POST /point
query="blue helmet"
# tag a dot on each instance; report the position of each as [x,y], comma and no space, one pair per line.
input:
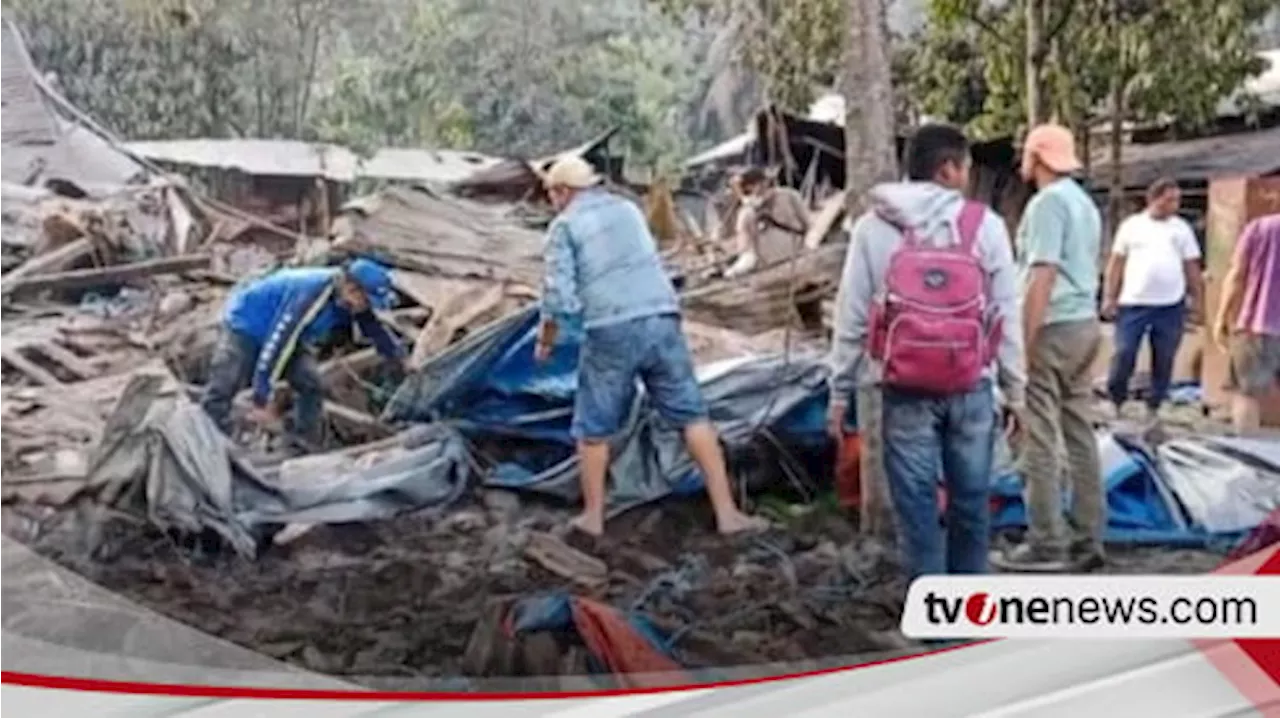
[375,280]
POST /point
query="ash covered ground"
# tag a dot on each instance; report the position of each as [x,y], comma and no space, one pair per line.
[422,596]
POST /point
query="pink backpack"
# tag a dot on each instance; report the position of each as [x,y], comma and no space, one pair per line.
[931,327]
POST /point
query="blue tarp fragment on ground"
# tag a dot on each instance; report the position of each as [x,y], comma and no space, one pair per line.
[490,386]
[625,644]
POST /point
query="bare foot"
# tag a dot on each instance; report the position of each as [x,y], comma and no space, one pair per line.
[589,525]
[740,523]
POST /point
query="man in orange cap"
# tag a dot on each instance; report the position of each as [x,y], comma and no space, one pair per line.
[1058,243]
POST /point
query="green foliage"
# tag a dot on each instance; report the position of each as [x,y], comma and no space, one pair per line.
[521,77]
[793,46]
[1174,59]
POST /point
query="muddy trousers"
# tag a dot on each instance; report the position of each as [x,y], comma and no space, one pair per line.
[231,370]
[1059,411]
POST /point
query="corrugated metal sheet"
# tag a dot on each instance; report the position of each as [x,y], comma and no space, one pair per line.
[411,165]
[287,158]
[1246,154]
[26,118]
[292,158]
[39,144]
[444,236]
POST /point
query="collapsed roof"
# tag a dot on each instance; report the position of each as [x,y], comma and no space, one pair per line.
[39,144]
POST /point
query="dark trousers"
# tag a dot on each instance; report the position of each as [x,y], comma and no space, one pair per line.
[1164,325]
[231,370]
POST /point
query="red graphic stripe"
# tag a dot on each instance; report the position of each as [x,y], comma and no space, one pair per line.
[35,680]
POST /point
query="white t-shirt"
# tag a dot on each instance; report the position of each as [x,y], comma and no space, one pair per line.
[1154,251]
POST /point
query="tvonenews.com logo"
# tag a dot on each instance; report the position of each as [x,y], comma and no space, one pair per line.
[1092,607]
[984,609]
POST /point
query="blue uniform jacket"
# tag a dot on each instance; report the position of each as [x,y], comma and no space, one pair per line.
[296,307]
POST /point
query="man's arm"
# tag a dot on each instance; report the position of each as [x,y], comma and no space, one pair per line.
[388,346]
[297,310]
[1011,359]
[559,285]
[1232,288]
[1113,279]
[1190,250]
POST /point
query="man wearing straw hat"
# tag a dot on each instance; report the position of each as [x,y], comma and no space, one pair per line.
[602,266]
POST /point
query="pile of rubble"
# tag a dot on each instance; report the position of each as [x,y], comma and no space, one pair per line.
[322,601]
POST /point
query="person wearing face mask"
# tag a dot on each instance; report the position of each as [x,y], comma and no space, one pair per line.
[270,330]
[770,225]
[1152,281]
[603,270]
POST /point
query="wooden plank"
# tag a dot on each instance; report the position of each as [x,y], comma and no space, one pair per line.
[566,561]
[28,367]
[67,360]
[85,278]
[47,262]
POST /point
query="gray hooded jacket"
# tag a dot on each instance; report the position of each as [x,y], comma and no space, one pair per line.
[931,210]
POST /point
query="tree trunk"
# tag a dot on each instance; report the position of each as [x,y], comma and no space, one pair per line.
[870,158]
[1115,193]
[1033,67]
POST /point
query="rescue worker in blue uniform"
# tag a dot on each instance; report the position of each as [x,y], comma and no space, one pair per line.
[271,328]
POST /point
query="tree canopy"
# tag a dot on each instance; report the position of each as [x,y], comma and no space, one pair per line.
[501,76]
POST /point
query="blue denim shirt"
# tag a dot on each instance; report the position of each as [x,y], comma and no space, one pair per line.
[602,264]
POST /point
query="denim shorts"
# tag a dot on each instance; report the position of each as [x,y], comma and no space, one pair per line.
[650,349]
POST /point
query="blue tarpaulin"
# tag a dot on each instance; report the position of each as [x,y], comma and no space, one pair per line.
[626,645]
[490,386]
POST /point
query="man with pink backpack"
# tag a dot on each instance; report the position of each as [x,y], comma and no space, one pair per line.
[928,312]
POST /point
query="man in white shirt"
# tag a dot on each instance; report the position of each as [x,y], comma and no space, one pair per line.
[1154,270]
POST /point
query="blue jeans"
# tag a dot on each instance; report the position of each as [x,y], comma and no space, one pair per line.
[652,349]
[1164,324]
[231,370]
[953,436]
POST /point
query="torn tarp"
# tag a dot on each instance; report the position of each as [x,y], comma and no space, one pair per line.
[161,455]
[627,646]
[491,387]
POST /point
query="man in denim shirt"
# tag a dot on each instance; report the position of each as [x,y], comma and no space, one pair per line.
[602,264]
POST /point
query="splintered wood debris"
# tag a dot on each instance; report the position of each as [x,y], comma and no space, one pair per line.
[97,290]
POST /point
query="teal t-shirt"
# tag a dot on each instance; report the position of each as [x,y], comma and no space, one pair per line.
[1062,226]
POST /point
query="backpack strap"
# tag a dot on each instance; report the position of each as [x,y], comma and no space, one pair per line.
[969,222]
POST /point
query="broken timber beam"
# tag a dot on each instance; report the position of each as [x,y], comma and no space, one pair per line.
[30,368]
[566,561]
[85,278]
[67,360]
[49,261]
